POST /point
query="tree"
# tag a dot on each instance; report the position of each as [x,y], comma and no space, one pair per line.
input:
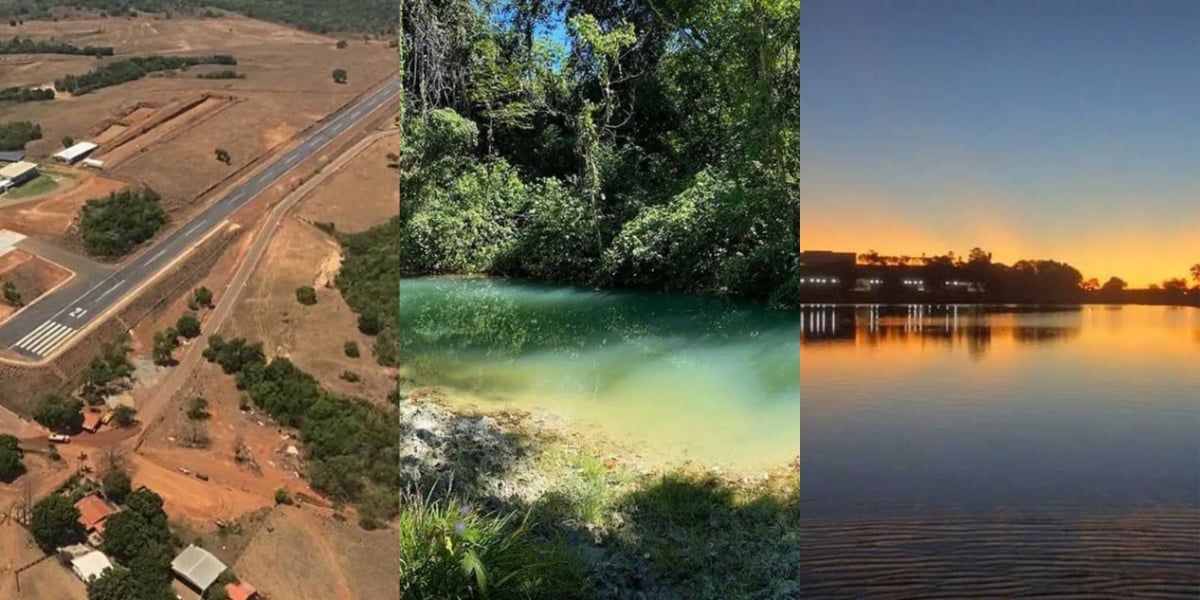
[11,466]
[368,324]
[1090,285]
[11,295]
[117,486]
[1196,273]
[202,297]
[1175,285]
[351,349]
[124,415]
[188,326]
[165,344]
[107,372]
[306,295]
[114,584]
[55,523]
[198,409]
[223,155]
[68,141]
[1114,284]
[125,533]
[282,496]
[341,44]
[339,76]
[60,414]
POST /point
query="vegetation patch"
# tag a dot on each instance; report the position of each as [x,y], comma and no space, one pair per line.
[11,455]
[15,134]
[661,153]
[132,69]
[25,94]
[111,227]
[369,280]
[350,443]
[225,74]
[42,184]
[18,45]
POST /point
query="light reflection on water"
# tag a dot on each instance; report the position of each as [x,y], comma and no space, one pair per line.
[910,409]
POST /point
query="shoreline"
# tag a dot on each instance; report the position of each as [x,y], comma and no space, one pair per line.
[553,428]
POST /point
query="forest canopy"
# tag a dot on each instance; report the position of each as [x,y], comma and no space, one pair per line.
[113,226]
[632,145]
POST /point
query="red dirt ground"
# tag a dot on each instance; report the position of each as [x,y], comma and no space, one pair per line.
[53,216]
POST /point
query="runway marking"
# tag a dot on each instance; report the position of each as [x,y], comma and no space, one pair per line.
[158,254]
[110,290]
[78,313]
[45,338]
[195,227]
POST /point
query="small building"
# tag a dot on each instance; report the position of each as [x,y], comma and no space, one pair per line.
[94,163]
[93,511]
[197,568]
[19,172]
[73,154]
[90,566]
[241,591]
[12,156]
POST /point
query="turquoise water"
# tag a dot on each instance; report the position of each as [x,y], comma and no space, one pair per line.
[678,378]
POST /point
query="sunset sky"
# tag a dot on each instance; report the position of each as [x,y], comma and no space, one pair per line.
[1034,129]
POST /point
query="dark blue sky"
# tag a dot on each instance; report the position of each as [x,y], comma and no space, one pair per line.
[1034,128]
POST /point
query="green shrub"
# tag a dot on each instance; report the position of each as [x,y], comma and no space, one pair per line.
[306,295]
[188,326]
[198,409]
[351,349]
[11,466]
[60,414]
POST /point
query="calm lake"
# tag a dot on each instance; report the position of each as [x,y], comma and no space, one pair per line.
[678,378]
[943,410]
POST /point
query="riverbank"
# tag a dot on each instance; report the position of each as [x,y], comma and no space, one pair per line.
[637,527]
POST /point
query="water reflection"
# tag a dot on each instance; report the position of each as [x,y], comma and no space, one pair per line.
[923,409]
[971,326]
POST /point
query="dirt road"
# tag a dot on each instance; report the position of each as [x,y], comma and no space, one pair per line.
[152,410]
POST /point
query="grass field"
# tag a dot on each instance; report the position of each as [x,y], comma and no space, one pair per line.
[41,184]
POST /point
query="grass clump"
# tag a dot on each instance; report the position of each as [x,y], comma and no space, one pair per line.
[450,551]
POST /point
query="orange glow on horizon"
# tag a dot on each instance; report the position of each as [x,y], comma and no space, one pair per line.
[872,221]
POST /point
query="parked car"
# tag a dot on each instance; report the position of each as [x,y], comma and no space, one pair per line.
[201,476]
[59,438]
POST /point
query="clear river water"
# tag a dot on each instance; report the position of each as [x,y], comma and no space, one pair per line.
[677,378]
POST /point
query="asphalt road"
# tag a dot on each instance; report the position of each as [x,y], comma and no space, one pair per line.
[53,320]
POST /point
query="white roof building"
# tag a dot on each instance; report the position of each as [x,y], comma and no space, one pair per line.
[18,170]
[197,567]
[91,565]
[76,152]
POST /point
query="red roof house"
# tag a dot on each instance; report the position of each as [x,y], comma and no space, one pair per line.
[93,511]
[241,591]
